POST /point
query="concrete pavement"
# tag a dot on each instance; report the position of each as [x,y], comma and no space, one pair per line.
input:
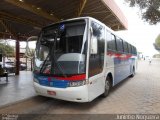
[137,95]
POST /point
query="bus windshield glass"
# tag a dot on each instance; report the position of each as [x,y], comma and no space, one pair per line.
[61,49]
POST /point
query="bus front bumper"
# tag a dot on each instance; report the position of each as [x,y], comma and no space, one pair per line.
[75,94]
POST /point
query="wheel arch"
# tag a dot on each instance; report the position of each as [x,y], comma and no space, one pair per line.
[111,77]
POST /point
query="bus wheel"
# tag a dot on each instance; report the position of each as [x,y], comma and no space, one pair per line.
[107,87]
[133,73]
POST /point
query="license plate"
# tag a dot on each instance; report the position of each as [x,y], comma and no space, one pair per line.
[51,93]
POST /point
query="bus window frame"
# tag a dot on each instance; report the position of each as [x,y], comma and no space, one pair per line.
[126,52]
[112,35]
[117,45]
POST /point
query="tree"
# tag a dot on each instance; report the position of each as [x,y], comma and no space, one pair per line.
[150,9]
[157,43]
[6,50]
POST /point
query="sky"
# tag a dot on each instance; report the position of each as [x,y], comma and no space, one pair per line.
[139,33]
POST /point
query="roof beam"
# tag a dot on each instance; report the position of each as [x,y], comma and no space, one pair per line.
[82,5]
[111,22]
[6,27]
[34,9]
[99,12]
[117,28]
[10,17]
[108,16]
[23,37]
[117,24]
[4,34]
[10,32]
[93,9]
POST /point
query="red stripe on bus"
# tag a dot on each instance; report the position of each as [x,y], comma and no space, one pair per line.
[72,78]
[49,79]
[120,56]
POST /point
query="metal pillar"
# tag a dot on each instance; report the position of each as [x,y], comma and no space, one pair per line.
[31,64]
[17,57]
[26,64]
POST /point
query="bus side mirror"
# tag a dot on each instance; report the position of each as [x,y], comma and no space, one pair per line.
[93,43]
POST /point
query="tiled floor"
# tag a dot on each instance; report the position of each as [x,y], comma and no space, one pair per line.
[18,88]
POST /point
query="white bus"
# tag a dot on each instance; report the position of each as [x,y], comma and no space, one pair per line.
[80,59]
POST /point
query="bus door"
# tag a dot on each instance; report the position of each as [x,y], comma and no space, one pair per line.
[96,60]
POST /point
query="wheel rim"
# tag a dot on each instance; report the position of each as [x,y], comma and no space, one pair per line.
[133,72]
[107,87]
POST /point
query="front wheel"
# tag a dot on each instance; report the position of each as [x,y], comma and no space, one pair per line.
[133,72]
[107,87]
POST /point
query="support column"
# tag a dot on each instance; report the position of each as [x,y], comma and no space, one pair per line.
[17,57]
[31,64]
[26,63]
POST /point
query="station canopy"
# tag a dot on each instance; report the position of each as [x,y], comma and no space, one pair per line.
[20,19]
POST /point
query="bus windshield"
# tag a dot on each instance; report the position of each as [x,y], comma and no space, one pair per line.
[61,49]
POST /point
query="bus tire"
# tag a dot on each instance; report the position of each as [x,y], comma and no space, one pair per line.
[107,87]
[133,72]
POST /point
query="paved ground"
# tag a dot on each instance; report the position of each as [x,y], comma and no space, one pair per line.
[18,88]
[140,94]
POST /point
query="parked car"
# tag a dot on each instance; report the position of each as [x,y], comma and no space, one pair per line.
[23,66]
[10,66]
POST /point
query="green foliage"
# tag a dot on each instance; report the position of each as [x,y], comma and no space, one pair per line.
[6,50]
[150,9]
[156,56]
[157,43]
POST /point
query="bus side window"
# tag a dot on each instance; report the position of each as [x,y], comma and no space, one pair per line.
[119,43]
[134,50]
[125,46]
[129,49]
[111,45]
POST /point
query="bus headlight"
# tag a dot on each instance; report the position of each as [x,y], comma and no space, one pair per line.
[76,83]
[35,80]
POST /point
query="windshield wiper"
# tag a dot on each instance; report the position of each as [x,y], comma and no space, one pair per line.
[54,59]
[58,66]
[42,67]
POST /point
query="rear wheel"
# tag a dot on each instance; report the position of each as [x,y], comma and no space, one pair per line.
[107,87]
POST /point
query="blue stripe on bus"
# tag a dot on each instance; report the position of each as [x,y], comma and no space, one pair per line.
[122,68]
[43,80]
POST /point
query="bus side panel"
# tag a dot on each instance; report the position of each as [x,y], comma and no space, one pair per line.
[120,67]
[123,65]
[127,68]
[110,67]
[95,86]
[119,70]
